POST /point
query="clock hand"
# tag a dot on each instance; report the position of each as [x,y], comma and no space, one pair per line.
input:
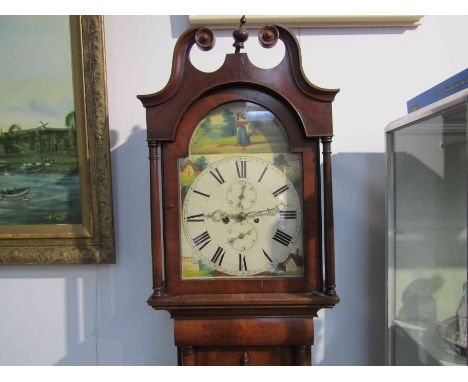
[241,196]
[219,215]
[240,236]
[245,215]
[269,211]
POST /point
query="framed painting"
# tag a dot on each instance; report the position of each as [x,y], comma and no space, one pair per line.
[55,179]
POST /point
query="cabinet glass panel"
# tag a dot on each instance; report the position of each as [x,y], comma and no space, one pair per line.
[428,240]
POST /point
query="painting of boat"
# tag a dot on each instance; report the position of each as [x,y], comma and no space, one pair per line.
[33,167]
[39,178]
[14,193]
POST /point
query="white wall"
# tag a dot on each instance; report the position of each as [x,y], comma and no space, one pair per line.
[88,314]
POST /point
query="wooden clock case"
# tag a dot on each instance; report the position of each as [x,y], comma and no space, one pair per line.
[241,321]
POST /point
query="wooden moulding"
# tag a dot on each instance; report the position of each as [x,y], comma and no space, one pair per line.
[254,332]
[244,305]
[286,81]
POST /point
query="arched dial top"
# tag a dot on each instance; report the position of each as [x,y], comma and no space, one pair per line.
[241,192]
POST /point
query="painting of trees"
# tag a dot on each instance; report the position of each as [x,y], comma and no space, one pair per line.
[10,139]
[230,120]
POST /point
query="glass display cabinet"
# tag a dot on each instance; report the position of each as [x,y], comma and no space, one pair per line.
[427,235]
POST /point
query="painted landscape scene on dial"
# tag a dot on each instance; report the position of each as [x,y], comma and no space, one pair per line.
[239,129]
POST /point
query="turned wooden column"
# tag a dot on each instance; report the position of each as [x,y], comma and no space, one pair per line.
[329,231]
[301,355]
[156,243]
[188,356]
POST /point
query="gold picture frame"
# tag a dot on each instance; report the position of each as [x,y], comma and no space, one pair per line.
[92,240]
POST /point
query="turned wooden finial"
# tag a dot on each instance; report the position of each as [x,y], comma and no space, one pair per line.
[240,35]
[268,36]
[204,38]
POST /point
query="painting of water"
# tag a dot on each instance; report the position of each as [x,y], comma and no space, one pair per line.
[39,180]
[51,199]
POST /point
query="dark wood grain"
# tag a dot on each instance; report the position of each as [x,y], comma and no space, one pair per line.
[286,80]
[244,305]
[301,355]
[328,219]
[268,36]
[187,356]
[244,331]
[311,205]
[241,321]
[156,245]
[244,356]
[245,342]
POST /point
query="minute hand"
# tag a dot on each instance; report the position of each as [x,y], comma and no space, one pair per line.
[269,211]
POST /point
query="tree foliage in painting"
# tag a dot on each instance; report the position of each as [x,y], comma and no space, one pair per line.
[70,120]
[10,140]
[201,162]
[33,142]
[230,123]
[206,124]
[280,162]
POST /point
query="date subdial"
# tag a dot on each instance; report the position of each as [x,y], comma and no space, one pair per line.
[241,195]
[242,236]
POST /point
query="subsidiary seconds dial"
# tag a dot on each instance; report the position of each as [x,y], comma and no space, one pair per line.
[242,216]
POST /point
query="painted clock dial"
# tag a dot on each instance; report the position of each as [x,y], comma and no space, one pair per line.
[242,216]
[241,197]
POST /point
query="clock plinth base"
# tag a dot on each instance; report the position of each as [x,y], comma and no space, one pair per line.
[244,341]
[244,329]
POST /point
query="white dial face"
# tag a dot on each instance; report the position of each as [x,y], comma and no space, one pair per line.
[242,216]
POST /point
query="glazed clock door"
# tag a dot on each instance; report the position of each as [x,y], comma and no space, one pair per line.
[241,198]
[241,192]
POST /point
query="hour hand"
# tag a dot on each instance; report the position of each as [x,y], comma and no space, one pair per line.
[241,195]
[240,236]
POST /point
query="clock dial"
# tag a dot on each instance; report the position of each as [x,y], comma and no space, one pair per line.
[242,236]
[242,216]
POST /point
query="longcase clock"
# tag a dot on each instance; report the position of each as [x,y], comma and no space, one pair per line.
[242,242]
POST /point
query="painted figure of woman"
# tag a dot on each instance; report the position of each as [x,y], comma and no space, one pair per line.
[243,138]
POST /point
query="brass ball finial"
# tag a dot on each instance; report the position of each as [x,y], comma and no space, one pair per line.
[240,35]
